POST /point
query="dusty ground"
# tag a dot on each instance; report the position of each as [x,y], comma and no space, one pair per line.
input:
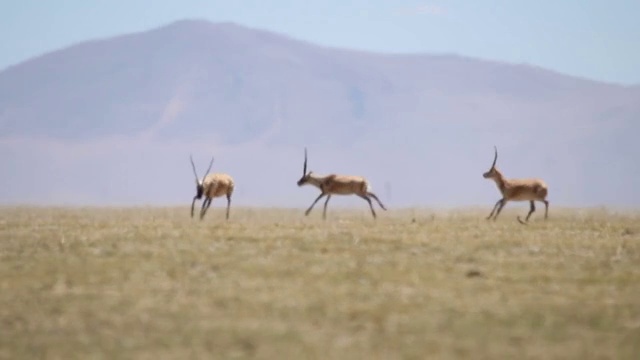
[152,283]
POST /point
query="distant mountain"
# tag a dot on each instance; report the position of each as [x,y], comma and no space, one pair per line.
[425,125]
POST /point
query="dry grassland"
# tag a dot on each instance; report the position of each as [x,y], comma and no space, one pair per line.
[151,283]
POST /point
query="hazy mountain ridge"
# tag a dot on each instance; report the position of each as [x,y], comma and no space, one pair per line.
[427,121]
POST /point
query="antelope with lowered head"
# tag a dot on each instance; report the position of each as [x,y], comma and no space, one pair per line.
[211,186]
[517,190]
[337,185]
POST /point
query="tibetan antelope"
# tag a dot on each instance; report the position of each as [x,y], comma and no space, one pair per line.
[517,190]
[211,186]
[337,185]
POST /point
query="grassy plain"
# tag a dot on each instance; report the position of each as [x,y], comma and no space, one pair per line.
[151,283]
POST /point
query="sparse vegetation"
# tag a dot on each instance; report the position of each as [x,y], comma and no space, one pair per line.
[153,283]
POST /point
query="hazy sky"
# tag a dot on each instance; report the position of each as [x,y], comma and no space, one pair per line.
[597,39]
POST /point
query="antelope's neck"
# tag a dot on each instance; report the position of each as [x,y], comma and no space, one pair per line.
[500,180]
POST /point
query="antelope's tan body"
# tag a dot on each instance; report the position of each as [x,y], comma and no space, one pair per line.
[334,184]
[531,189]
[212,186]
[217,185]
[522,189]
[344,184]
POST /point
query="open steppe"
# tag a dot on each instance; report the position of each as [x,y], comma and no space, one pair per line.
[151,283]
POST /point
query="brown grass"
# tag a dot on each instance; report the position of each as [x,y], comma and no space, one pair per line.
[152,283]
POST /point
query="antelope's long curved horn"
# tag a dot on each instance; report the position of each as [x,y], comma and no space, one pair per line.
[208,169]
[495,158]
[193,166]
[304,167]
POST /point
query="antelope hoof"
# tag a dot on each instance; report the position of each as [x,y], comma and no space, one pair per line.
[522,222]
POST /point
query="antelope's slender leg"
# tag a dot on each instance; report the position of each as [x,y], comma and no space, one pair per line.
[228,205]
[324,211]
[503,202]
[378,200]
[314,202]
[531,210]
[494,209]
[205,206]
[373,212]
[546,208]
[202,209]
[208,204]
[193,203]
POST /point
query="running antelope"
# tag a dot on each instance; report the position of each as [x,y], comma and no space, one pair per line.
[211,186]
[337,185]
[517,190]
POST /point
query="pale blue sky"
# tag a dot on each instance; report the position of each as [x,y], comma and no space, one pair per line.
[597,39]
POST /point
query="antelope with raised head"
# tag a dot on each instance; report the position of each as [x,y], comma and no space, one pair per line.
[211,186]
[337,185]
[517,190]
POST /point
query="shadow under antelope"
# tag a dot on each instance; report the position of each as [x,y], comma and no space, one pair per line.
[517,190]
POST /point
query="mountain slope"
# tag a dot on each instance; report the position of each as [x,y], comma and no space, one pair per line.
[427,121]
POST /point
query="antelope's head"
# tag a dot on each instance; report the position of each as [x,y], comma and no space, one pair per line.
[199,182]
[305,175]
[493,173]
